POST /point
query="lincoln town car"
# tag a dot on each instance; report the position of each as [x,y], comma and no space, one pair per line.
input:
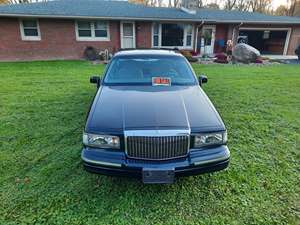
[151,119]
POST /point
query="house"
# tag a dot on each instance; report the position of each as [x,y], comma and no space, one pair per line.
[62,29]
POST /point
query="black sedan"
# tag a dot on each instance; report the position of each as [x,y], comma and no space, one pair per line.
[151,119]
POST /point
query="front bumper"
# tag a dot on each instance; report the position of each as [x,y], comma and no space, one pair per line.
[116,163]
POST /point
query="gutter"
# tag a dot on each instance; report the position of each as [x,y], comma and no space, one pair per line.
[145,19]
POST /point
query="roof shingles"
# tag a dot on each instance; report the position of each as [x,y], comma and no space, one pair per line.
[123,9]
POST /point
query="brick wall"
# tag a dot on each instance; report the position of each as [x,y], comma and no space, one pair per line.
[58,41]
[221,34]
[143,34]
[294,40]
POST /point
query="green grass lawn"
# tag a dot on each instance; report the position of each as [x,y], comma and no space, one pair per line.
[43,106]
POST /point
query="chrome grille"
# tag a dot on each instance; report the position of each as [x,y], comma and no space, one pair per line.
[157,147]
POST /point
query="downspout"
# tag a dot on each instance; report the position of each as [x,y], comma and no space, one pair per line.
[197,31]
[234,39]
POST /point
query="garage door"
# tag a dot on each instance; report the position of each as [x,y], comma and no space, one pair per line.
[270,42]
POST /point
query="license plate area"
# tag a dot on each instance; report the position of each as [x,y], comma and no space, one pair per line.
[158,176]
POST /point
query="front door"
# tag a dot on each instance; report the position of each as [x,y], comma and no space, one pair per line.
[208,39]
[127,35]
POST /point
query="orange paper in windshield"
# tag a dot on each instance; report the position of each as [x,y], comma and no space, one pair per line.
[166,81]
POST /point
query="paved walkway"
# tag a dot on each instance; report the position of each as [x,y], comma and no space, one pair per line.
[284,57]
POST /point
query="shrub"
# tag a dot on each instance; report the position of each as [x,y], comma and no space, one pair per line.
[192,59]
[224,61]
[194,53]
[188,55]
[221,58]
[90,53]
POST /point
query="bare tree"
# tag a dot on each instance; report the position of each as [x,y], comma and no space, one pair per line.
[297,9]
[291,5]
[230,4]
[242,5]
[261,6]
[159,3]
[143,2]
[21,1]
[176,3]
[281,10]
[212,6]
[153,3]
[200,3]
[293,8]
[191,3]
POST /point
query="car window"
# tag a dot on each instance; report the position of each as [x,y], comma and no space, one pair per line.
[142,69]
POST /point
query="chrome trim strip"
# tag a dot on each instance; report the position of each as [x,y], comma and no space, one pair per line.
[101,162]
[156,133]
[224,157]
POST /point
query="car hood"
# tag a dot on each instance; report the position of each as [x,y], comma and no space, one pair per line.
[118,108]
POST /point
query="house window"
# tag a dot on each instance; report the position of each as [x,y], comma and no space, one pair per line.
[30,30]
[189,35]
[92,31]
[101,29]
[172,35]
[155,34]
[84,29]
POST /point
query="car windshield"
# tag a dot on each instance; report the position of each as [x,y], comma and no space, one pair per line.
[139,70]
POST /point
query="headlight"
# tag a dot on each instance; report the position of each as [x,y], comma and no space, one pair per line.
[218,138]
[101,141]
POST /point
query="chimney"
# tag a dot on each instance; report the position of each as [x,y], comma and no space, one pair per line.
[188,11]
[189,4]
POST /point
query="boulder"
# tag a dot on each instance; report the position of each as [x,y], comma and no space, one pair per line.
[245,53]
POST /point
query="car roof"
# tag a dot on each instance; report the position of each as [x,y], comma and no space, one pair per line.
[147,52]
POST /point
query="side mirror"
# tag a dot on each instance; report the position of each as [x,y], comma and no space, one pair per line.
[95,80]
[202,79]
